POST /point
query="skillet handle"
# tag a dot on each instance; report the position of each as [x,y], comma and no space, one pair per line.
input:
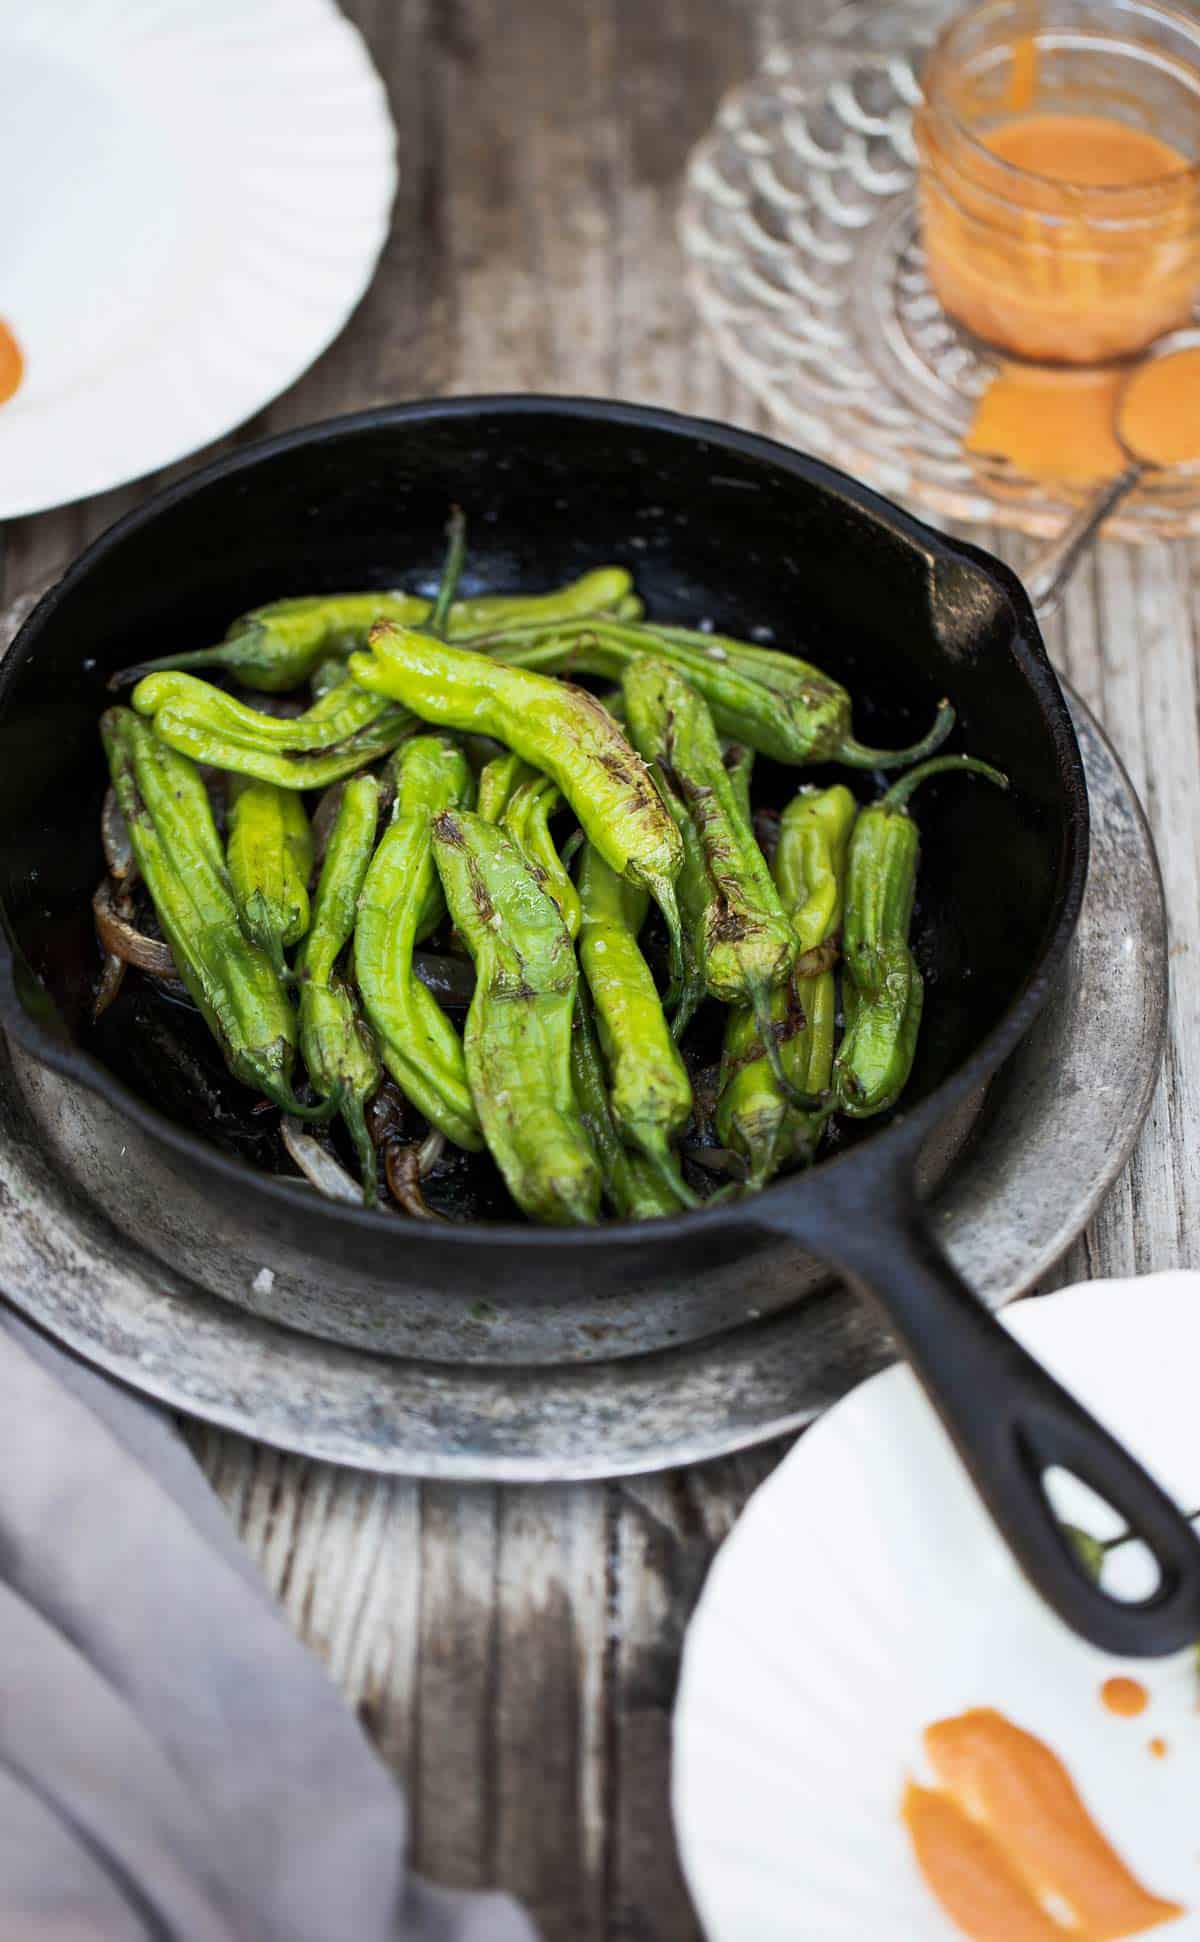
[1010,1421]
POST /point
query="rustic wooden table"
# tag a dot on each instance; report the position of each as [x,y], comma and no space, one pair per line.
[513,1652]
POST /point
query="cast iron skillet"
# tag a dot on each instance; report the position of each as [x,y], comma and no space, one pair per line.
[715,522]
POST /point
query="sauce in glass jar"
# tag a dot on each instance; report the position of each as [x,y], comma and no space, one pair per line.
[1060,175]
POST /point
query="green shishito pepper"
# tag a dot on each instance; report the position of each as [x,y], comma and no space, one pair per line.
[278,646]
[230,978]
[400,901]
[633,1188]
[771,702]
[339,1051]
[518,1031]
[527,820]
[883,991]
[651,1092]
[753,1117]
[741,935]
[342,732]
[270,856]
[498,779]
[561,731]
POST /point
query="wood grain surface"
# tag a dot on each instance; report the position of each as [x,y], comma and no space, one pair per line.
[514,1652]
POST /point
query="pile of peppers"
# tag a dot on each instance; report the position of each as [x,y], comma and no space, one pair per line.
[434,775]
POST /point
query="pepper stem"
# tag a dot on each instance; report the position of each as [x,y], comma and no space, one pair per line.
[280,1094]
[220,656]
[856,756]
[364,1146]
[456,553]
[899,793]
[665,1165]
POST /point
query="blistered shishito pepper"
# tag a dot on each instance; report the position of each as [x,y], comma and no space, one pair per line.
[753,1117]
[342,732]
[882,990]
[651,1094]
[772,702]
[558,729]
[527,820]
[518,1032]
[174,838]
[270,856]
[420,1046]
[278,646]
[741,934]
[339,1049]
[633,1188]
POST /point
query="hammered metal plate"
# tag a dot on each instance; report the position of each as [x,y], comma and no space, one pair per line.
[1060,1123]
[799,224]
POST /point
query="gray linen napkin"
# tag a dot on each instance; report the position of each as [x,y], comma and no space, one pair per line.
[173,1763]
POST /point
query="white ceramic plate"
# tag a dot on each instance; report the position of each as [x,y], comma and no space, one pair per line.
[863,1595]
[197,192]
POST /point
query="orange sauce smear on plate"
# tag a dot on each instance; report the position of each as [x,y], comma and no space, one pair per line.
[1054,425]
[1160,409]
[1008,1848]
[1125,1697]
[1062,425]
[12,364]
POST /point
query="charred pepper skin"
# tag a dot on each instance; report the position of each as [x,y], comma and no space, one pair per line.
[342,732]
[269,850]
[883,991]
[230,978]
[632,1187]
[775,704]
[753,1117]
[400,894]
[651,1094]
[741,935]
[557,728]
[518,1032]
[338,1048]
[277,647]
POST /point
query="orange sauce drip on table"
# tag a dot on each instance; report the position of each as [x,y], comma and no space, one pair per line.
[1158,1748]
[1008,1847]
[12,364]
[1126,1697]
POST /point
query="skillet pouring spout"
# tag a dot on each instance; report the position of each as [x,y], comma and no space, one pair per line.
[1008,1418]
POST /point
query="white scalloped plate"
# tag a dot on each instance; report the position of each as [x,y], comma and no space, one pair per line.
[863,1595]
[198,194]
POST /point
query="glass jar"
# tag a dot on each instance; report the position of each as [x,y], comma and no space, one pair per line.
[1051,264]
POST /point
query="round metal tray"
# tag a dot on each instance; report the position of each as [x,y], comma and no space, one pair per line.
[1058,1126]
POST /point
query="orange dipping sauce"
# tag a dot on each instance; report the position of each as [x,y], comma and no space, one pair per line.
[1008,1847]
[1063,238]
[12,364]
[1051,424]
[1062,425]
[1160,409]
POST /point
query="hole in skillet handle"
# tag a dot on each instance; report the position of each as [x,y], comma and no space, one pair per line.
[1009,1419]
